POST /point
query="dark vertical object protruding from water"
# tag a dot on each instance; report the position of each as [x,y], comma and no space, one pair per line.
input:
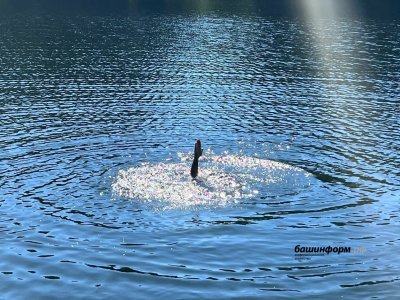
[194,171]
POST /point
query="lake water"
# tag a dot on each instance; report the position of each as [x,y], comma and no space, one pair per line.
[84,97]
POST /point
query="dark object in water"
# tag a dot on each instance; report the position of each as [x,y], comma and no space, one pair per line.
[197,153]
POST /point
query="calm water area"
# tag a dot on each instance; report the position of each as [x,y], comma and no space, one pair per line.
[85,95]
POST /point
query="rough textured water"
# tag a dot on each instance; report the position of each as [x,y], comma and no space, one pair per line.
[85,99]
[223,180]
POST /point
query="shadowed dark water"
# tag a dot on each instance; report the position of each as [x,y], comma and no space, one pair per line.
[84,97]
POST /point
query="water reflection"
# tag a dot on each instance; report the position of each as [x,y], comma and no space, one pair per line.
[108,93]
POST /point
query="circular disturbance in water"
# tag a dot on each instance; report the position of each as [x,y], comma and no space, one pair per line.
[222,180]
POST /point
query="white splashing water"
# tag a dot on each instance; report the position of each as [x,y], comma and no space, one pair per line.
[222,180]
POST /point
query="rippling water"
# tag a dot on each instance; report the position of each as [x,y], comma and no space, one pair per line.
[223,180]
[82,98]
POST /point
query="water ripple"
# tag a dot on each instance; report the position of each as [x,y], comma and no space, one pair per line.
[306,114]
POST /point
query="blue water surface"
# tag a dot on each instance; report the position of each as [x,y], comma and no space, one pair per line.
[83,96]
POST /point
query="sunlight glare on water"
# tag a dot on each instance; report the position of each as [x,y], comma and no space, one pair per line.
[99,112]
[223,180]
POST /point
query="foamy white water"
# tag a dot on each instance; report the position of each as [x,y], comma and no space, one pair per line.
[222,180]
